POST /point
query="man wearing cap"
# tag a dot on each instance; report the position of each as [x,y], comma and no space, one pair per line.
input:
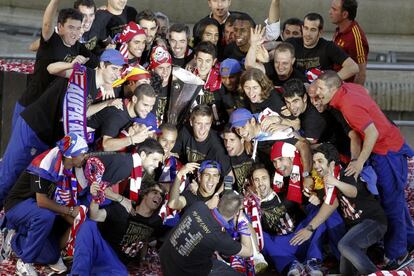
[48,188]
[131,79]
[201,232]
[208,176]
[132,43]
[230,71]
[110,121]
[249,127]
[161,63]
[121,235]
[39,126]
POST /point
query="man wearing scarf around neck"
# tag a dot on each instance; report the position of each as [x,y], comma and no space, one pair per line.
[46,189]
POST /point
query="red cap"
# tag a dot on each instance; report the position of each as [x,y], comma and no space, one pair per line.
[159,55]
[129,31]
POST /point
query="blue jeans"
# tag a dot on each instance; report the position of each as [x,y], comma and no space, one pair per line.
[93,255]
[354,244]
[23,147]
[392,170]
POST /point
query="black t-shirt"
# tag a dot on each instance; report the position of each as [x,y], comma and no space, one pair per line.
[49,52]
[215,100]
[234,99]
[44,116]
[118,166]
[212,148]
[108,25]
[182,62]
[26,186]
[312,123]
[336,131]
[275,217]
[128,233]
[191,198]
[233,51]
[274,102]
[363,206]
[241,166]
[323,56]
[273,76]
[109,121]
[192,243]
[160,108]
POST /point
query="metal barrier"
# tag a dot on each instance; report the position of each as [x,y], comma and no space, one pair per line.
[404,123]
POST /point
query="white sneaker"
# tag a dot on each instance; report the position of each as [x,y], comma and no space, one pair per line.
[59,267]
[23,269]
[6,250]
[260,264]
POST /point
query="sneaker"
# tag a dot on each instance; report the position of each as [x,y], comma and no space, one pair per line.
[23,269]
[6,250]
[296,269]
[313,268]
[59,267]
[260,264]
[397,264]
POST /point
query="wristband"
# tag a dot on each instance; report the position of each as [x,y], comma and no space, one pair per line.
[310,228]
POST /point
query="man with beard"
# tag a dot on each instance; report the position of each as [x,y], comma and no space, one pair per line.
[147,20]
[230,72]
[132,43]
[109,122]
[313,53]
[240,161]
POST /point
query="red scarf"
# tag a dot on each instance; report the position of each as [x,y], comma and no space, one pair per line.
[294,190]
[213,82]
[136,177]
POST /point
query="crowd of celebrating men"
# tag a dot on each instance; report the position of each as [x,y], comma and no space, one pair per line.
[238,147]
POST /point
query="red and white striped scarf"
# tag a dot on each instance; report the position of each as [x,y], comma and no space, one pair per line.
[252,208]
[136,177]
[294,190]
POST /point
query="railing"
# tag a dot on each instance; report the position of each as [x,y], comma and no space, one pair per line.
[404,123]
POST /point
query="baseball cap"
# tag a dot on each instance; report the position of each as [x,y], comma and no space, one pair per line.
[240,117]
[149,121]
[229,67]
[209,164]
[132,74]
[113,56]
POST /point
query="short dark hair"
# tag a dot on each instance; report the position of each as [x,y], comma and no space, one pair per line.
[147,187]
[167,127]
[150,146]
[179,28]
[201,110]
[255,167]
[206,47]
[86,3]
[329,151]
[292,21]
[144,90]
[162,16]
[228,129]
[230,203]
[242,16]
[286,47]
[146,15]
[313,16]
[293,87]
[201,26]
[70,13]
[350,6]
[331,79]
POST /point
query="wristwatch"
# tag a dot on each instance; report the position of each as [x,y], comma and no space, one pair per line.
[305,174]
[310,228]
